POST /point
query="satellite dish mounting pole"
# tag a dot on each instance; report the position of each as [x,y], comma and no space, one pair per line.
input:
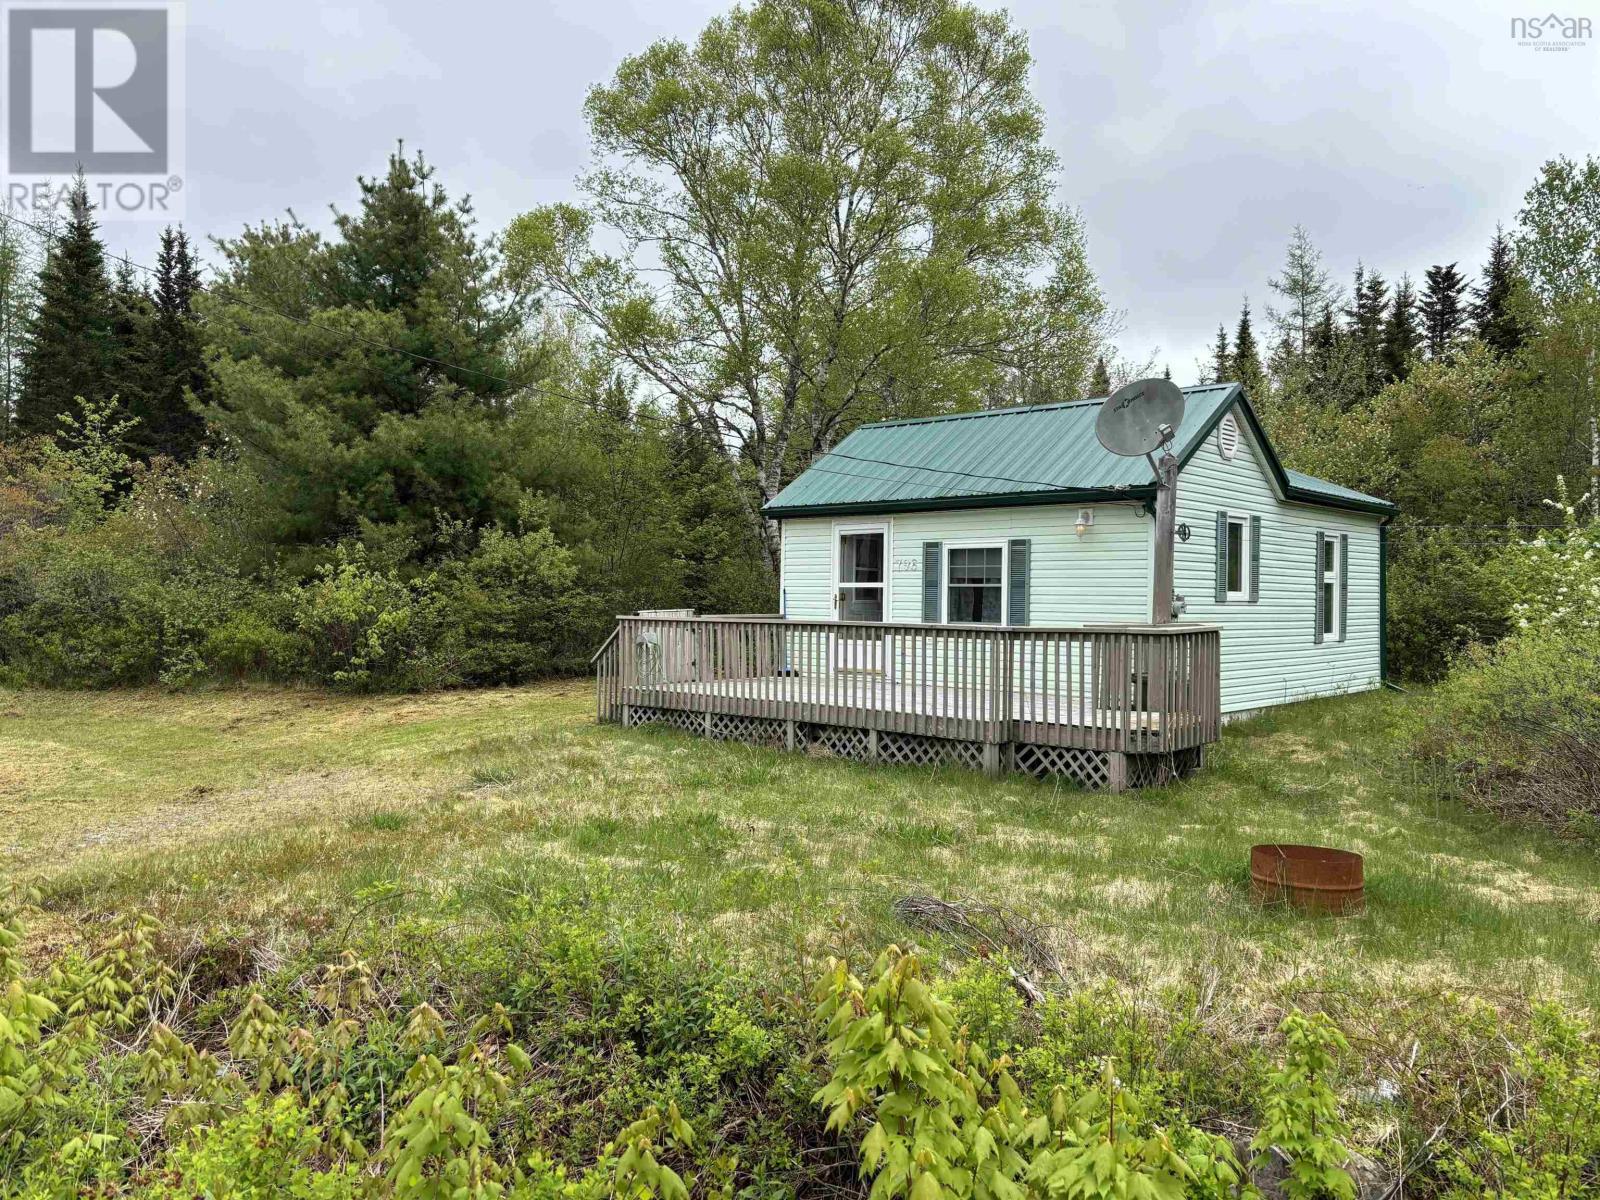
[1137,419]
[1161,598]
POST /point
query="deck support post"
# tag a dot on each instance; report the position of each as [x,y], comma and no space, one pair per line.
[991,759]
[627,716]
[872,745]
[791,737]
[707,716]
[1116,771]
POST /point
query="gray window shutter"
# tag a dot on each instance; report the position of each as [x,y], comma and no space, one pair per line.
[932,567]
[1255,559]
[1021,570]
[1344,584]
[1316,580]
[1222,558]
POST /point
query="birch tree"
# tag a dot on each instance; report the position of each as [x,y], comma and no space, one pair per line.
[1558,251]
[825,212]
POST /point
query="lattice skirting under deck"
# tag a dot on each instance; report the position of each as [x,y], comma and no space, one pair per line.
[1097,770]
[1156,770]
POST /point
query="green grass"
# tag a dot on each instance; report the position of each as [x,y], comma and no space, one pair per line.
[296,811]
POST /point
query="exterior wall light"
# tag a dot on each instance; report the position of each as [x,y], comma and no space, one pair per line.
[1085,520]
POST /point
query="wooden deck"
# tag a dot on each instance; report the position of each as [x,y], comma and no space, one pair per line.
[889,704]
[1081,701]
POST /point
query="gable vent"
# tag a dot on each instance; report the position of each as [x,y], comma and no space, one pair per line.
[1228,437]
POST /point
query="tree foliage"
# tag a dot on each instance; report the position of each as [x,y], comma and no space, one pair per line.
[830,214]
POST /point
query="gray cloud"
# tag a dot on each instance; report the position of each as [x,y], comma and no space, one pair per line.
[1193,137]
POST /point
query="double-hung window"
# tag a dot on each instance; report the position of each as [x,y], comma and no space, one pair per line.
[1329,583]
[975,585]
[1237,566]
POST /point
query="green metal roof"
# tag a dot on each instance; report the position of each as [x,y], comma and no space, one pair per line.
[1039,454]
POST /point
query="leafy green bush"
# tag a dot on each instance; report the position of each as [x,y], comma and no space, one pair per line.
[365,627]
[1517,726]
[1551,1148]
[551,1056]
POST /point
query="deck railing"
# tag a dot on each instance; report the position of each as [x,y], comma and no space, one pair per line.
[1125,688]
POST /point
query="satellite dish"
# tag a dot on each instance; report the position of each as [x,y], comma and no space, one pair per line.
[1139,417]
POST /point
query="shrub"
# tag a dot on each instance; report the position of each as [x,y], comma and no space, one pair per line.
[364,627]
[1517,726]
[1549,1144]
[514,607]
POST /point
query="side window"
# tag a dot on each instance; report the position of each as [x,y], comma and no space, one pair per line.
[1329,584]
[1237,568]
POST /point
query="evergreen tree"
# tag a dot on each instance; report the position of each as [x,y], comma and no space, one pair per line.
[1364,325]
[18,291]
[1324,338]
[70,350]
[1444,314]
[1494,315]
[719,560]
[1221,360]
[170,423]
[135,364]
[1100,381]
[1246,359]
[1401,337]
[1305,290]
[368,379]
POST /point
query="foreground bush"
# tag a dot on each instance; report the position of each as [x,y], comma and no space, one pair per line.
[1517,726]
[550,1057]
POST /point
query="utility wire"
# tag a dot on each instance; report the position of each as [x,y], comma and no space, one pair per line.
[948,471]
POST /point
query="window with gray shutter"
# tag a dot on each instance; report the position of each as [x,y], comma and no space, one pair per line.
[1316,582]
[1021,572]
[1222,558]
[932,563]
[1255,559]
[1344,584]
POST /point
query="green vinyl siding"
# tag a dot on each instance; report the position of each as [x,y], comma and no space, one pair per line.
[1103,576]
[1269,651]
[806,578]
[1269,654]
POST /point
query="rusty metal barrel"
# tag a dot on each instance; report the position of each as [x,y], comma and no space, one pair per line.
[1315,879]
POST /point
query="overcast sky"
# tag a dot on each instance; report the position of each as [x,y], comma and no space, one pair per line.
[1193,136]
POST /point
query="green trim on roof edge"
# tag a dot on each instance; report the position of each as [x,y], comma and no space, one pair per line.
[982,500]
[1296,490]
[1291,490]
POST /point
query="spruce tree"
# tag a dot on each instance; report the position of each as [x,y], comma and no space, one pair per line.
[1221,361]
[1100,381]
[1305,290]
[1246,358]
[1493,315]
[70,350]
[1401,337]
[135,359]
[170,424]
[1365,323]
[1444,313]
[19,278]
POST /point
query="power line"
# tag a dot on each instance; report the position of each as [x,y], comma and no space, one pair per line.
[306,321]
[948,471]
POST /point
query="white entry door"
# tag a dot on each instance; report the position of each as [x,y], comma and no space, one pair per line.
[862,563]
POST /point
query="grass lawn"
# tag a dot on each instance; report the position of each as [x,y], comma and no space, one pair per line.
[297,812]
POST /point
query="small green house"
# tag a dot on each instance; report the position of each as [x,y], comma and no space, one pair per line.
[1018,517]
